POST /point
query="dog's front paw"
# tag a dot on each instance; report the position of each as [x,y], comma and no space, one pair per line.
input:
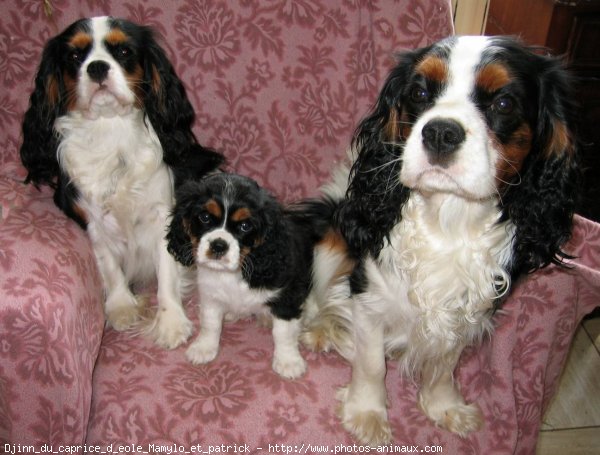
[289,366]
[369,426]
[123,311]
[462,419]
[316,339]
[456,416]
[202,351]
[170,328]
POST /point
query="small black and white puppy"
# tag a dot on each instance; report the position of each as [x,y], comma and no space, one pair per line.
[252,257]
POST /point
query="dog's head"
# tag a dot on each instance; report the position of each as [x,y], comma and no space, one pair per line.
[221,220]
[479,118]
[104,66]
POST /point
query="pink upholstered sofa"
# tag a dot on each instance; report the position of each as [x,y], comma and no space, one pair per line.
[278,86]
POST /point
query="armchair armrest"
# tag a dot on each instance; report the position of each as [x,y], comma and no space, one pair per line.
[51,320]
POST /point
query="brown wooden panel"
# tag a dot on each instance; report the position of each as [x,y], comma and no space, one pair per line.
[528,19]
[570,28]
[584,49]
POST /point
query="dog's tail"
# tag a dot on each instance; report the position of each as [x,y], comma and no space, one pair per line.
[319,214]
[315,216]
[327,313]
[195,164]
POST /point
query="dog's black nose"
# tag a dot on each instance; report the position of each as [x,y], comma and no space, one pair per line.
[441,137]
[219,247]
[98,70]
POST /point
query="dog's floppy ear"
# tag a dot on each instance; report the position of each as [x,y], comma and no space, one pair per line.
[271,254]
[46,103]
[542,205]
[375,196]
[179,240]
[171,114]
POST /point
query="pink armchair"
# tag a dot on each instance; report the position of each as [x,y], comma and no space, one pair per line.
[278,87]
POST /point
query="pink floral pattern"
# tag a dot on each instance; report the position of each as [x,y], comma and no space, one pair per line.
[209,38]
[278,87]
[212,392]
[50,321]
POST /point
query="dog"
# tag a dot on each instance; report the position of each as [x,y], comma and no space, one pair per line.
[109,129]
[252,257]
[462,178]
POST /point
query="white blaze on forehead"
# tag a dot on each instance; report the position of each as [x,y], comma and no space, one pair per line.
[465,56]
[100,28]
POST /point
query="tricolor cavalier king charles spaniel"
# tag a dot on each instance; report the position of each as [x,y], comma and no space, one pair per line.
[252,257]
[109,129]
[462,178]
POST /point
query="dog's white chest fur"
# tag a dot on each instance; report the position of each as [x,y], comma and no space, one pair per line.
[231,292]
[124,187]
[436,277]
[224,294]
[108,157]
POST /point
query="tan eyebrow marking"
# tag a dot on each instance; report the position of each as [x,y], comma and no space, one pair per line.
[434,68]
[116,36]
[80,40]
[241,214]
[213,208]
[493,77]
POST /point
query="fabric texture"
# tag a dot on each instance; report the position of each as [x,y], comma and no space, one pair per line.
[278,87]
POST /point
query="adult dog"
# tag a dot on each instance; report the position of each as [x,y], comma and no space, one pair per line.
[462,178]
[109,128]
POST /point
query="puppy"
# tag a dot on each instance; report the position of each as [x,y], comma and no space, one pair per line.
[109,129]
[463,177]
[252,257]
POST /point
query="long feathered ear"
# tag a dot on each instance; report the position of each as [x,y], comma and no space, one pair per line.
[47,102]
[179,239]
[375,195]
[171,114]
[542,205]
[65,198]
[271,256]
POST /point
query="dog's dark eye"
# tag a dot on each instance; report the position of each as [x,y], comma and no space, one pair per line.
[76,56]
[124,52]
[419,95]
[204,217]
[245,226]
[503,105]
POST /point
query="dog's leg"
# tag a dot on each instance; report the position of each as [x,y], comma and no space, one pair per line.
[328,325]
[287,361]
[441,400]
[327,312]
[206,346]
[363,402]
[120,306]
[171,326]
